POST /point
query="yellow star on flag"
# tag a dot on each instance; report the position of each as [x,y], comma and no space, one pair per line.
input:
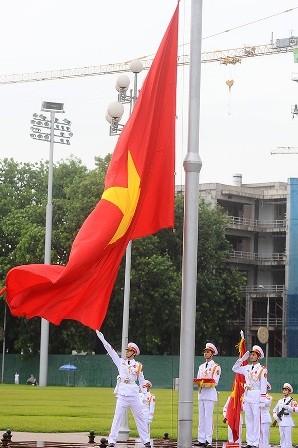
[125,198]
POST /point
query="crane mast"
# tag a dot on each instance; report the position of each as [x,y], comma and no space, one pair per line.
[229,56]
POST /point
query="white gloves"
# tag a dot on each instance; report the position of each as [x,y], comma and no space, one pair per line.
[245,356]
[100,335]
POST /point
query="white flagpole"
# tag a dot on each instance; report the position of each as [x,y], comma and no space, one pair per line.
[192,167]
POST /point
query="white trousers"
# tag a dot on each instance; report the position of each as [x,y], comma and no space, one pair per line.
[265,435]
[205,428]
[123,403]
[146,414]
[285,436]
[253,423]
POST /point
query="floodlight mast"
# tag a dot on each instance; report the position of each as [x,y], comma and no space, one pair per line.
[40,127]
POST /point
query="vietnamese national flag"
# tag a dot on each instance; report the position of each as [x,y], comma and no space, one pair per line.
[235,402]
[138,200]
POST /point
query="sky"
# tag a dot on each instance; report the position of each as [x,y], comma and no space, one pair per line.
[238,128]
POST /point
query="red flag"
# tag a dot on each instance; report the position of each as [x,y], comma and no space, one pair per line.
[235,403]
[138,200]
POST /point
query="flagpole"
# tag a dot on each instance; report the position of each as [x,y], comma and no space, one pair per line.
[124,430]
[192,166]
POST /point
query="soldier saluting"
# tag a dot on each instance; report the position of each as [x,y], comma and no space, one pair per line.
[255,390]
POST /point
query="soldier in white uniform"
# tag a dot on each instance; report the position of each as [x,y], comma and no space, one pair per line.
[286,406]
[127,390]
[254,393]
[266,420]
[148,403]
[208,377]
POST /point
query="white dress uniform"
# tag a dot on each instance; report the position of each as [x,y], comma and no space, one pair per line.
[286,423]
[147,400]
[127,393]
[207,397]
[254,397]
[230,432]
[265,422]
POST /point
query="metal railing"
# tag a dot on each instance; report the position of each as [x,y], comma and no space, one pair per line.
[266,288]
[275,224]
[275,256]
[262,321]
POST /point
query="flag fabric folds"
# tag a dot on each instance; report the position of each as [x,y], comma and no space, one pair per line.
[235,402]
[138,200]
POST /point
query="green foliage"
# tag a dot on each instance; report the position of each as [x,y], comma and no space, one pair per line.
[155,293]
[218,288]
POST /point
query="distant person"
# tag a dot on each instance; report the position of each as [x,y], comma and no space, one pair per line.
[17,378]
[32,380]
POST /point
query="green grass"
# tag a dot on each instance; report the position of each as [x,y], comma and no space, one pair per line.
[78,409]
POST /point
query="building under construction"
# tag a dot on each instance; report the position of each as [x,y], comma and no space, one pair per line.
[263,230]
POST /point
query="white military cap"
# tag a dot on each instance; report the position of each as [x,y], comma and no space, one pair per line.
[132,346]
[258,350]
[268,386]
[288,386]
[211,347]
[147,383]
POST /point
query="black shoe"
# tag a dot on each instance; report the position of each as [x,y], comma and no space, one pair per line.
[147,444]
[111,444]
[208,445]
[248,446]
[199,444]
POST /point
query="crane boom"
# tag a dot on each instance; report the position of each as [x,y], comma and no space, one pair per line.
[230,56]
[285,150]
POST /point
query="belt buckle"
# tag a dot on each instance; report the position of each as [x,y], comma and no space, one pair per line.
[126,381]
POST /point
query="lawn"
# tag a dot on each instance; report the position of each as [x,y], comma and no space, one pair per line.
[79,409]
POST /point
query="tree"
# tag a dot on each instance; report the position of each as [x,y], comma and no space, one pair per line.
[23,197]
[218,287]
[156,263]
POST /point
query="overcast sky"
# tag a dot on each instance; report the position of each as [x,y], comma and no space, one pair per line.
[238,128]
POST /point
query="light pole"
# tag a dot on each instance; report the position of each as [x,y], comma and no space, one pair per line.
[113,116]
[54,131]
[267,325]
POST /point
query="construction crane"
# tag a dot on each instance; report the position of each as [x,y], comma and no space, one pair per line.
[285,150]
[230,56]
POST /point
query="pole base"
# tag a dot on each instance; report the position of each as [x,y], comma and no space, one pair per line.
[123,434]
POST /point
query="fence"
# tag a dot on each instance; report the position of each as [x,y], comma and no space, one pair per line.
[99,370]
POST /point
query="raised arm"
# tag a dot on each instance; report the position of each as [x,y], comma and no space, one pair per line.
[109,349]
[237,368]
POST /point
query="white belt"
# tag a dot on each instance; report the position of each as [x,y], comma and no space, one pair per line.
[252,388]
[126,381]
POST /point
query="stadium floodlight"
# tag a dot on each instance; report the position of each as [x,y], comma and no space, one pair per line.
[46,124]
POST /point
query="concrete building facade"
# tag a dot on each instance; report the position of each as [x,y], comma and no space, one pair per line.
[263,231]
